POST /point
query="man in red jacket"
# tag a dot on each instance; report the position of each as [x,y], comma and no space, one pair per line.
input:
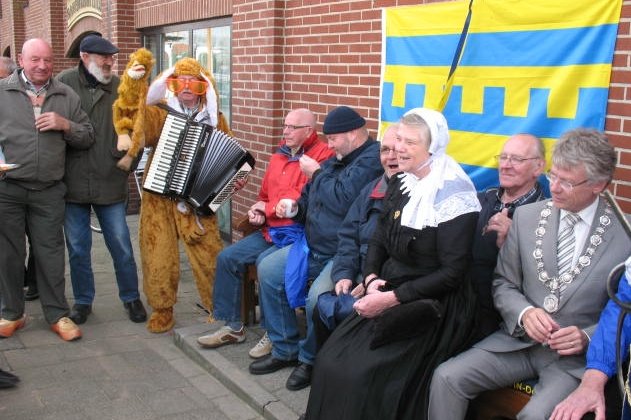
[283,179]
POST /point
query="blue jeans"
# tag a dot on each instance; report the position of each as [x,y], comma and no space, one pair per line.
[79,243]
[281,322]
[231,263]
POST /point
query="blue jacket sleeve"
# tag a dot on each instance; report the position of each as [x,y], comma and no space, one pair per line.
[347,260]
[601,354]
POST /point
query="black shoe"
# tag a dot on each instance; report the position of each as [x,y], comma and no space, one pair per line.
[80,312]
[31,293]
[7,379]
[300,378]
[269,364]
[136,310]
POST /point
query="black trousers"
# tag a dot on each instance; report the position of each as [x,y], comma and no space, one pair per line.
[42,212]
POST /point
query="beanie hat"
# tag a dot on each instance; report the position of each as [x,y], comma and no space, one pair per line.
[342,120]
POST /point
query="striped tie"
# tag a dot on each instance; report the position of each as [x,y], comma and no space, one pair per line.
[566,243]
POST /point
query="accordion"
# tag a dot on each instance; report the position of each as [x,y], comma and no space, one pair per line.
[196,163]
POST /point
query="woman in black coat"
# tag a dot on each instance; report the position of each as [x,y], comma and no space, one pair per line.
[416,310]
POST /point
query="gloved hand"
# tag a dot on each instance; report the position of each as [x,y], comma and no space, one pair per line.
[158,89]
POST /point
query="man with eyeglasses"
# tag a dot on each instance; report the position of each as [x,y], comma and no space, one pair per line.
[322,206]
[549,287]
[283,180]
[520,163]
[95,184]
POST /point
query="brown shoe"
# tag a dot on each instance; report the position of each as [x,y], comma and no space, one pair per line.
[7,328]
[66,329]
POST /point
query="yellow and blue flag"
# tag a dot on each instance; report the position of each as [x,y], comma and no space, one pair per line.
[499,67]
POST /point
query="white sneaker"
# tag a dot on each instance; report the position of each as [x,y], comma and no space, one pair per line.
[224,335]
[262,348]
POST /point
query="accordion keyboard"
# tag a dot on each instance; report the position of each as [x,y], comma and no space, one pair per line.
[161,168]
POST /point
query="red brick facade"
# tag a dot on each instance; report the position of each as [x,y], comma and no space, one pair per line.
[288,54]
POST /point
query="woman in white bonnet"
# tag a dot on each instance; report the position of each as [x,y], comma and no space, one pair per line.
[414,310]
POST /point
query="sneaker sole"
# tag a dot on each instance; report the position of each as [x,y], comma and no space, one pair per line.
[230,340]
[258,355]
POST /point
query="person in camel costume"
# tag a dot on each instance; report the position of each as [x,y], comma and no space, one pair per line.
[163,222]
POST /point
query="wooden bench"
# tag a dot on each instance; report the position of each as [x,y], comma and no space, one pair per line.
[501,404]
[505,403]
[248,285]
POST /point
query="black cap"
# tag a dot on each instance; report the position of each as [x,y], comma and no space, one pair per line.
[342,120]
[95,44]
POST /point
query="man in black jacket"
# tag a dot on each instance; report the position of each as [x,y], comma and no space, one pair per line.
[95,183]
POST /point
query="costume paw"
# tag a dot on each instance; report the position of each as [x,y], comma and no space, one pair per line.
[125,163]
[123,143]
[161,320]
[191,229]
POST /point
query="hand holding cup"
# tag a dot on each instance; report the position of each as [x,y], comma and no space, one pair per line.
[286,208]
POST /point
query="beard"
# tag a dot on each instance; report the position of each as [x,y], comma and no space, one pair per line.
[98,73]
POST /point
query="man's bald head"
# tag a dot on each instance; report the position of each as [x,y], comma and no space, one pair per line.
[37,61]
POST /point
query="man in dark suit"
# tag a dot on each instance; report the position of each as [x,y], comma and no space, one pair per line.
[549,287]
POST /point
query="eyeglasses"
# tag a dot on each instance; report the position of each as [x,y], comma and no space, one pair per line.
[198,87]
[293,127]
[513,160]
[566,185]
[387,150]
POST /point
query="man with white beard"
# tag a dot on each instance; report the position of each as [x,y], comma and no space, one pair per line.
[95,183]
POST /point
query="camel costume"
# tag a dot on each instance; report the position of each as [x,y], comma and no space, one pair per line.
[164,221]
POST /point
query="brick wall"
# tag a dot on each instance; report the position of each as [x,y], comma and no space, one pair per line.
[326,53]
[258,107]
[293,53]
[12,27]
[618,124]
[167,12]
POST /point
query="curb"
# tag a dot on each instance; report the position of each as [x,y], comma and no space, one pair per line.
[233,378]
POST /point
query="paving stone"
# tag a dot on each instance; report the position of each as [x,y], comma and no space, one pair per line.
[120,371]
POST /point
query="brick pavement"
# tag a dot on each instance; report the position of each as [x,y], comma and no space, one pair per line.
[118,370]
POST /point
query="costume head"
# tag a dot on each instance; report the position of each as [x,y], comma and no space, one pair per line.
[191,67]
[140,64]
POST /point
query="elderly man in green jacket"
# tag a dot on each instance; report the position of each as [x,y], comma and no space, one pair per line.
[39,119]
[95,183]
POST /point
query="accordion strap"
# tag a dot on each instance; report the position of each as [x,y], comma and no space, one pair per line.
[173,111]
